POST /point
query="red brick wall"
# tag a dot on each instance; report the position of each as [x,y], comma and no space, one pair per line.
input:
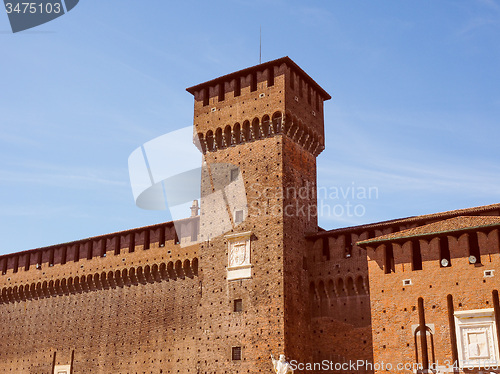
[127,313]
[394,305]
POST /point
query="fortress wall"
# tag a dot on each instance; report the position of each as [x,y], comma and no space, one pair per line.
[131,311]
[136,327]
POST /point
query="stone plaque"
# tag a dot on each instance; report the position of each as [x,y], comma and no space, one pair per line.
[238,250]
[476,338]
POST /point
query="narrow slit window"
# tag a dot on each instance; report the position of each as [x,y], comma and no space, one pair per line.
[27,263]
[131,245]
[51,257]
[103,247]
[222,92]
[389,266]
[326,249]
[206,96]
[162,237]
[444,252]
[146,239]
[270,77]
[348,246]
[474,252]
[237,87]
[89,250]
[39,261]
[63,257]
[117,245]
[16,264]
[253,84]
[416,255]
[76,254]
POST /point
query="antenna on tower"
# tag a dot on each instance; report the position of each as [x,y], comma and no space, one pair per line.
[260,44]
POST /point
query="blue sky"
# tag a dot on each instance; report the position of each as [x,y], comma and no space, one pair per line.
[415,110]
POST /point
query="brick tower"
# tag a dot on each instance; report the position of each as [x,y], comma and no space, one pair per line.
[265,124]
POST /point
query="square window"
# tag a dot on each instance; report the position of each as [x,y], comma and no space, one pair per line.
[236,353]
[234,174]
[238,216]
[238,305]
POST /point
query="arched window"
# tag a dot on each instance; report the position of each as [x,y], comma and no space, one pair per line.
[266,130]
[340,287]
[256,129]
[163,270]
[178,268]
[218,138]
[237,133]
[247,133]
[360,286]
[210,140]
[351,291]
[170,270]
[194,265]
[277,122]
[186,267]
[228,135]
[331,289]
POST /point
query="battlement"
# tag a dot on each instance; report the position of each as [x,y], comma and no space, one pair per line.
[145,245]
[273,98]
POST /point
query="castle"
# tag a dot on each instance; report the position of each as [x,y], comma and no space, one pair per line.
[418,294]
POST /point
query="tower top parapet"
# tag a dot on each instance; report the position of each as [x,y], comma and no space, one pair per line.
[197,89]
[273,98]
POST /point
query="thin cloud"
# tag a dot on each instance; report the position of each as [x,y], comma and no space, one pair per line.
[67,177]
[475,24]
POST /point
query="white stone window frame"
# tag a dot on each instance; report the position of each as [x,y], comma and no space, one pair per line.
[477,321]
[62,369]
[239,265]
